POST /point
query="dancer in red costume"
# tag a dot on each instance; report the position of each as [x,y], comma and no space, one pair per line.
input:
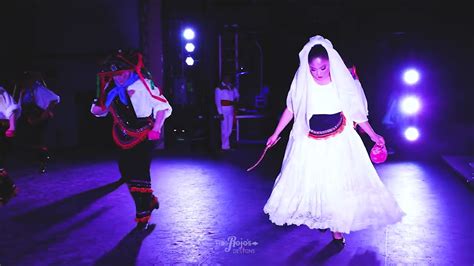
[138,110]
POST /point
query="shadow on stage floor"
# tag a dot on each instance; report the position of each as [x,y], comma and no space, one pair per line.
[76,214]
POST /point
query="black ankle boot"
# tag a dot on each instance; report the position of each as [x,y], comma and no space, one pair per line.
[7,188]
[340,242]
[44,159]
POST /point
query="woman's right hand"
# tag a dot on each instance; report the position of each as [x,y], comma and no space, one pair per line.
[272,140]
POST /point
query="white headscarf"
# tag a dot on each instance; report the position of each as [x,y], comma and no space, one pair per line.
[354,103]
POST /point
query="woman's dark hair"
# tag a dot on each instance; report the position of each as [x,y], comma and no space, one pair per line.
[317,51]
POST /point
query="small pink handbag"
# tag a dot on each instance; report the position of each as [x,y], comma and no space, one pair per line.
[378,154]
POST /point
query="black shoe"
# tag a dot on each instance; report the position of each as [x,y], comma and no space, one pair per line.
[141,229]
[340,242]
[7,188]
[142,223]
[141,226]
[42,169]
[155,204]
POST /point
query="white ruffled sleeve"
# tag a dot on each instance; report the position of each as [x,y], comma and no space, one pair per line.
[8,104]
[157,104]
[44,97]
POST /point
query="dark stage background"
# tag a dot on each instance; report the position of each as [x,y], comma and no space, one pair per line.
[65,40]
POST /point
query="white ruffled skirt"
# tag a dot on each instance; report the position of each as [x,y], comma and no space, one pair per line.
[331,183]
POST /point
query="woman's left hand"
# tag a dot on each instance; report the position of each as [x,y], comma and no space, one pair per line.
[153,135]
[379,140]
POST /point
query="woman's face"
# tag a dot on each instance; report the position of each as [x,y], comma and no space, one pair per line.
[121,78]
[319,68]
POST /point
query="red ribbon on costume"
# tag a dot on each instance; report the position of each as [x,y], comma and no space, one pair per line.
[354,75]
[227,103]
[141,190]
[139,136]
[105,77]
[138,68]
[143,219]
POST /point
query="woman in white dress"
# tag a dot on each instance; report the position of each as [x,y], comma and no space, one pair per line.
[327,180]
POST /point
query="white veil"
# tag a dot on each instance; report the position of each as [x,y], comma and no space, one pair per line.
[354,103]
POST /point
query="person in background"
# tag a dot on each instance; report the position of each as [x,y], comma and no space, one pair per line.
[226,97]
[9,112]
[37,106]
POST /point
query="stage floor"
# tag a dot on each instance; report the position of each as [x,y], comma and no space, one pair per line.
[76,214]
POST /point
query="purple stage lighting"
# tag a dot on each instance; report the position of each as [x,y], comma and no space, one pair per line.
[188,34]
[410,105]
[189,61]
[411,76]
[412,133]
[189,47]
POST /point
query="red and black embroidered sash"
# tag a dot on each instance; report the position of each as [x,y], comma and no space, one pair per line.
[128,130]
[323,126]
